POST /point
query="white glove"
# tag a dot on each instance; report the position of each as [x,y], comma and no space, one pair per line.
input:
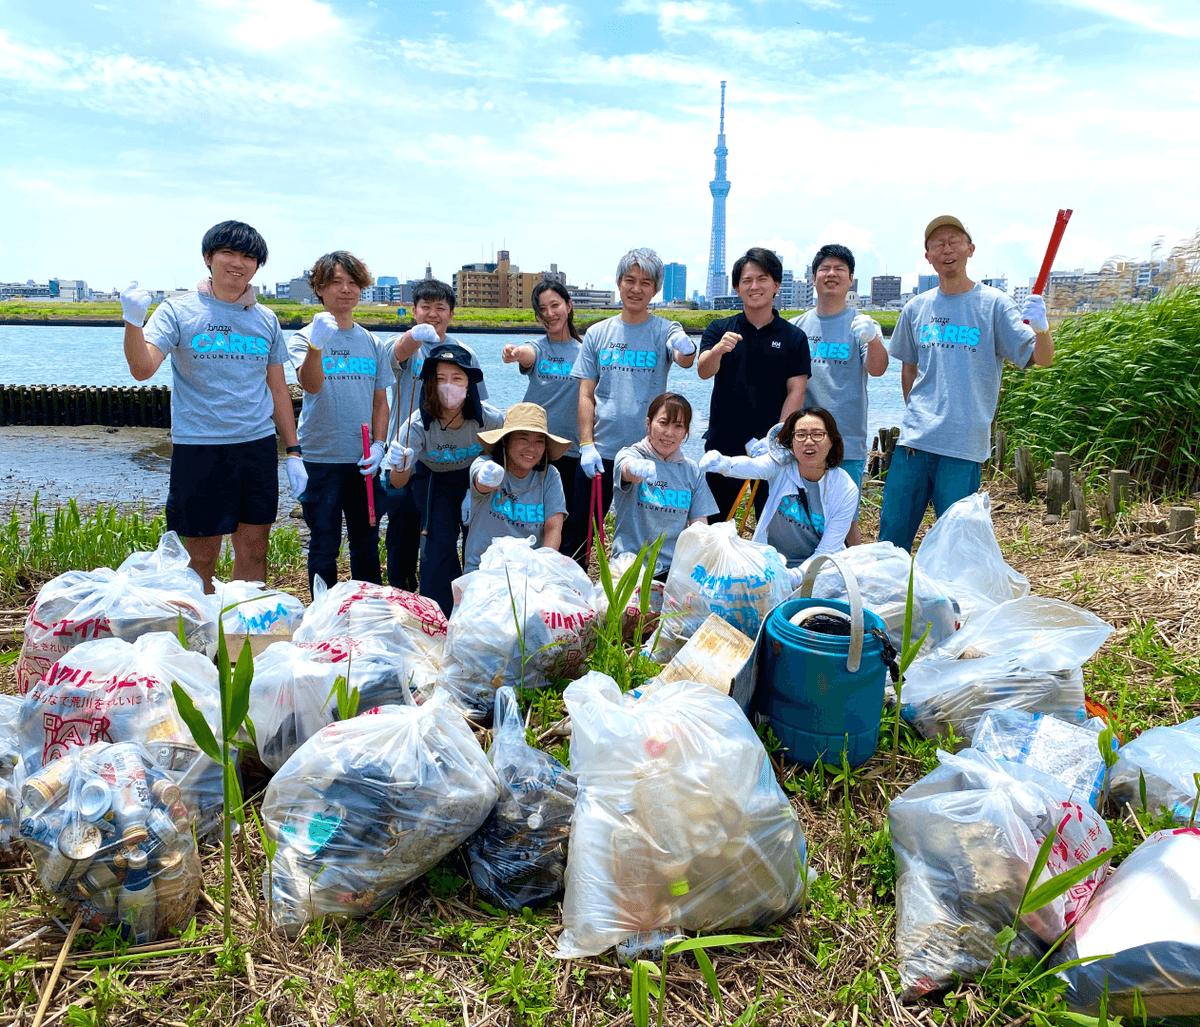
[297,475]
[324,327]
[1034,312]
[684,346]
[757,447]
[796,576]
[370,464]
[399,456]
[490,474]
[865,328]
[641,468]
[716,463]
[590,460]
[424,333]
[134,304]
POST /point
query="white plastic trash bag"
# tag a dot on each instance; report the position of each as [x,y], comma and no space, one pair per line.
[150,591]
[411,626]
[961,551]
[542,591]
[110,690]
[257,610]
[367,805]
[940,694]
[966,837]
[882,570]
[679,822]
[715,571]
[1167,758]
[12,770]
[1070,753]
[1146,918]
[292,695]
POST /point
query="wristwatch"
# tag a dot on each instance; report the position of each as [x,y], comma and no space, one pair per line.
[293,451]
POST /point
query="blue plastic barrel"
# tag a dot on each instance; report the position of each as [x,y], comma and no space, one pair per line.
[821,693]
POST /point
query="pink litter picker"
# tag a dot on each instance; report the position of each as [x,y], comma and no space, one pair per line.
[366,439]
[1060,226]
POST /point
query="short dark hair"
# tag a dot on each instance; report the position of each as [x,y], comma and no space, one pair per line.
[431,290]
[678,408]
[234,235]
[322,271]
[500,452]
[837,448]
[838,252]
[561,290]
[761,256]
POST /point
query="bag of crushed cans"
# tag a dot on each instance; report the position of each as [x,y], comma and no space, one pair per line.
[12,770]
[410,626]
[966,837]
[525,618]
[293,693]
[518,858]
[256,610]
[148,592]
[367,805]
[111,837]
[110,690]
[679,821]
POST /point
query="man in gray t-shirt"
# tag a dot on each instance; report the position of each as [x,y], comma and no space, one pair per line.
[623,365]
[952,341]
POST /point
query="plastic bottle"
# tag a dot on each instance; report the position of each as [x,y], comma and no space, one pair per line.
[136,901]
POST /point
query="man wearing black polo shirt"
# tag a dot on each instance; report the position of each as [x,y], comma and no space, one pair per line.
[761,364]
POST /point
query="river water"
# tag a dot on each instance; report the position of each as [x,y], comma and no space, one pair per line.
[130,465]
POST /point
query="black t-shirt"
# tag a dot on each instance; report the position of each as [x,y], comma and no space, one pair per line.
[751,384]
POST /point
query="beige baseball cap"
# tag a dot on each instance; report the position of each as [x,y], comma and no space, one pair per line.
[946,219]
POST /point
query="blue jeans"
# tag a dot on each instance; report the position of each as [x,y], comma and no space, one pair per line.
[913,479]
[335,490]
[403,537]
[439,497]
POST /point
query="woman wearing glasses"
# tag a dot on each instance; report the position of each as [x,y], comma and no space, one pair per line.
[812,501]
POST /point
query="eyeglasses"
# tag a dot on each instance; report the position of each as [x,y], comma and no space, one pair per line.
[816,436]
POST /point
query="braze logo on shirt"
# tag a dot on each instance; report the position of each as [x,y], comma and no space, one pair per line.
[627,358]
[222,339]
[657,494]
[940,330]
[344,364]
[452,455]
[504,504]
[819,349]
[556,368]
[794,510]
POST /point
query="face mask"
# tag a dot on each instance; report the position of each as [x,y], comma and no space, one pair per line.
[451,395]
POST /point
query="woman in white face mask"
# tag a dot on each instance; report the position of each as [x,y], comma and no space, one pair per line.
[435,447]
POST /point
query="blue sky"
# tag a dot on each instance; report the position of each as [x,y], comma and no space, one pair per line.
[415,131]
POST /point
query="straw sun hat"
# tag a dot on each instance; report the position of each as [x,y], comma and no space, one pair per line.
[525,417]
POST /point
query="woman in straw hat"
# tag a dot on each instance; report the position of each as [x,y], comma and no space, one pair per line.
[515,492]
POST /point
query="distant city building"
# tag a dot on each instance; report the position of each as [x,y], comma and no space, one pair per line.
[674,282]
[377,294]
[494,285]
[727,303]
[388,280]
[23,291]
[926,282]
[73,289]
[554,275]
[853,300]
[885,289]
[1000,282]
[1021,293]
[785,298]
[297,290]
[718,280]
[587,297]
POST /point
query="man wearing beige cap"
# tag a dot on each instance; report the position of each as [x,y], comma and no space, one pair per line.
[952,342]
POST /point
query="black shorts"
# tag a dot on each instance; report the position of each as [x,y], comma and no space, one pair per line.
[214,488]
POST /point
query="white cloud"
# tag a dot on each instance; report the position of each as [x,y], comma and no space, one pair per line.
[1174,18]
[274,25]
[541,18]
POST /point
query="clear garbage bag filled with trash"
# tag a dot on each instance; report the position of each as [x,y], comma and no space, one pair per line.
[962,553]
[1069,753]
[12,770]
[715,571]
[366,805]
[409,625]
[632,615]
[248,608]
[679,822]
[524,618]
[519,856]
[111,837]
[966,838]
[1146,919]
[1167,758]
[110,690]
[150,591]
[294,691]
[882,570]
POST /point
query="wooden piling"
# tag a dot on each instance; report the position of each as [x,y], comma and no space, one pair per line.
[1055,491]
[1001,451]
[1062,461]
[1023,464]
[1181,523]
[1120,487]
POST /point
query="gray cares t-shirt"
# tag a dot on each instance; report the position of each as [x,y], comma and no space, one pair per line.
[331,420]
[518,508]
[219,354]
[553,389]
[629,364]
[839,375]
[959,344]
[442,449]
[408,376]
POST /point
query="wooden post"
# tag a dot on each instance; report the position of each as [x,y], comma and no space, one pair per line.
[1078,506]
[1024,467]
[1055,491]
[1001,450]
[1120,486]
[1181,523]
[1108,508]
[1062,461]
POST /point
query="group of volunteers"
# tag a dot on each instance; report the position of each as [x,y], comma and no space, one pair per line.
[597,428]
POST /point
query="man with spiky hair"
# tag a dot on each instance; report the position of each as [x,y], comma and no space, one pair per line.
[228,397]
[952,342]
